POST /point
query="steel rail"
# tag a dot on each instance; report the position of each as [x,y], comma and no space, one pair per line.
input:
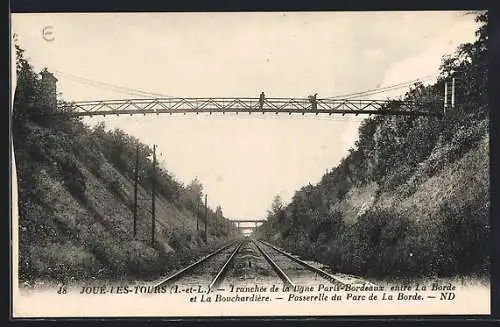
[218,278]
[275,267]
[185,270]
[310,267]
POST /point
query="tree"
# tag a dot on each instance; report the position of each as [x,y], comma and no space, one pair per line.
[276,206]
[218,212]
[192,195]
[469,66]
[195,190]
[27,88]
[29,95]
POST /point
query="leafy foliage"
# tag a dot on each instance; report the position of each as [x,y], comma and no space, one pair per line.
[397,154]
[66,172]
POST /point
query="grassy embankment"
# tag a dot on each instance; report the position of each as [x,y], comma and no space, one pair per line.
[411,199]
[76,199]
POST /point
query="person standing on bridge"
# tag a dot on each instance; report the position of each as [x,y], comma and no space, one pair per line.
[314,101]
[261,99]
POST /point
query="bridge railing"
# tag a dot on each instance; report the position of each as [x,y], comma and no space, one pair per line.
[250,105]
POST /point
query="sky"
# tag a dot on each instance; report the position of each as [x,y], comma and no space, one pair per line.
[243,161]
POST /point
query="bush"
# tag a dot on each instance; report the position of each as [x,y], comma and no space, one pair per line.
[141,260]
[396,177]
[116,187]
[463,237]
[179,240]
[464,139]
[63,261]
[373,245]
[73,177]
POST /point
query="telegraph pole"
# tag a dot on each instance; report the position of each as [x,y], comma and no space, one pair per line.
[153,220]
[197,214]
[136,181]
[453,93]
[206,218]
[445,96]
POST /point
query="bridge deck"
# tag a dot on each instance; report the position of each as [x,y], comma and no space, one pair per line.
[248,105]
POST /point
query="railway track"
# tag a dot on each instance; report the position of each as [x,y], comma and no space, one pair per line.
[249,261]
[205,269]
[304,272]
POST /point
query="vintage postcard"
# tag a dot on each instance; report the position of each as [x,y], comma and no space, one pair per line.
[250,164]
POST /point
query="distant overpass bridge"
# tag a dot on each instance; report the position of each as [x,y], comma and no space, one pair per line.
[247,105]
[253,223]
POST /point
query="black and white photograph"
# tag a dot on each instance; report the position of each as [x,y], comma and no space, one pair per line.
[250,164]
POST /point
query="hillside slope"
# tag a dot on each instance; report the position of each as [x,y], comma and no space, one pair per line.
[430,225]
[412,196]
[76,200]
